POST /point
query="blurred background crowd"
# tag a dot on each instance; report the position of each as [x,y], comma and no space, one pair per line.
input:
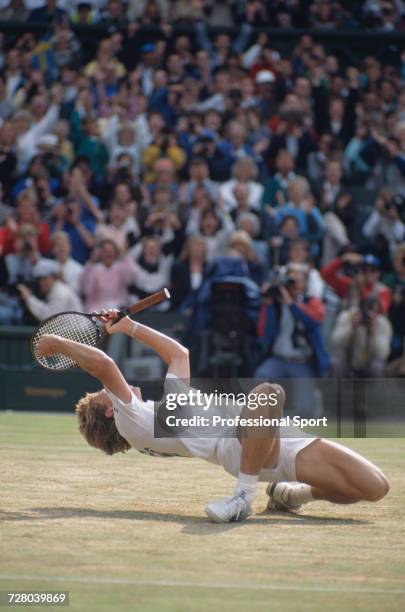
[265,188]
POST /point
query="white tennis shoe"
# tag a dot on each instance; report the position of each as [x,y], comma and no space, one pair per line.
[229,509]
[278,494]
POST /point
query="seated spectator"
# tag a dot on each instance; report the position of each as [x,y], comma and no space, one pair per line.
[115,227]
[33,124]
[69,217]
[275,190]
[363,282]
[361,340]
[199,177]
[241,242]
[85,135]
[290,330]
[106,278]
[288,232]
[58,296]
[299,254]
[250,223]
[163,156]
[70,271]
[339,211]
[215,228]
[385,221]
[317,160]
[244,171]
[300,204]
[47,13]
[188,273]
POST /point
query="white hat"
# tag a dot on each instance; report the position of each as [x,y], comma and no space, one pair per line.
[264,76]
[47,140]
[45,267]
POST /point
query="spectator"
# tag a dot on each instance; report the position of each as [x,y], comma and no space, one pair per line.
[245,172]
[250,223]
[153,267]
[241,242]
[290,331]
[299,254]
[188,273]
[385,221]
[70,271]
[300,204]
[106,279]
[58,297]
[26,212]
[70,218]
[214,226]
[115,228]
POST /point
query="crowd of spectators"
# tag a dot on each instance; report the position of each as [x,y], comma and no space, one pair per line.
[149,161]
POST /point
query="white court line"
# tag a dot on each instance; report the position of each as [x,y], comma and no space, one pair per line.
[42,447]
[206,585]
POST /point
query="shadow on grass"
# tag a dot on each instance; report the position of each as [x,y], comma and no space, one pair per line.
[194,525]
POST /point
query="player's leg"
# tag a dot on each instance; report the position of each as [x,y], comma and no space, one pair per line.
[339,474]
[259,448]
[334,473]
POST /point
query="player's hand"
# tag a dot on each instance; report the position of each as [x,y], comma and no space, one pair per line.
[108,317]
[47,345]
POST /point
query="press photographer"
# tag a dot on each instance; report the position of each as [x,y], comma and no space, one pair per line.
[290,330]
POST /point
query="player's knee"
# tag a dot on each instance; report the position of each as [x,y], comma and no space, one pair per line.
[378,489]
[275,398]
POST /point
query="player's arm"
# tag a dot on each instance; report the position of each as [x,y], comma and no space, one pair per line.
[90,359]
[172,352]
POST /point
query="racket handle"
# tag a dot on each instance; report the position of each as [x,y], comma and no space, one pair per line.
[151,300]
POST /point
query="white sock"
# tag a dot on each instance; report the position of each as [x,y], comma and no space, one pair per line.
[248,484]
[300,494]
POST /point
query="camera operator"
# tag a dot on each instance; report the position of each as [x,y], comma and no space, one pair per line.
[361,339]
[354,276]
[395,280]
[290,329]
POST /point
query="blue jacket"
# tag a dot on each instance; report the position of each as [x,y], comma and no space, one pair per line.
[312,331]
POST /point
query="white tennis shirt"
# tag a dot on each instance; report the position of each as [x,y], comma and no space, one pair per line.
[136,423]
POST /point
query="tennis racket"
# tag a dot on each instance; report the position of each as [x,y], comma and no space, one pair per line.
[82,327]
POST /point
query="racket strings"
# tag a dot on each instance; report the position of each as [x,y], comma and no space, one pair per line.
[70,326]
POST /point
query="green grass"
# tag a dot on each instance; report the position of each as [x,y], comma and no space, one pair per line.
[128,533]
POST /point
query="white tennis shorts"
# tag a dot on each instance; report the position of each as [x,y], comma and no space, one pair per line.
[228,454]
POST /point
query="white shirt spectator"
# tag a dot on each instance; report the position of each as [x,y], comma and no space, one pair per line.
[60,298]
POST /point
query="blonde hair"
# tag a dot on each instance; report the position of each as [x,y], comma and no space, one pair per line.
[97,429]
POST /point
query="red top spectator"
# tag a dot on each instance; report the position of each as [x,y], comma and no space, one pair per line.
[364,282]
[27,212]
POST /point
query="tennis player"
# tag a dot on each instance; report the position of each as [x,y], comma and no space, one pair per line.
[298,468]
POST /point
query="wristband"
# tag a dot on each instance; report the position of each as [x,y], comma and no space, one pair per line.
[135,326]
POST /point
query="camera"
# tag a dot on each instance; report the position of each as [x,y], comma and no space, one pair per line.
[278,279]
[367,308]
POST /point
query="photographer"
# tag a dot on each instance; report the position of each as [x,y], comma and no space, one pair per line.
[354,276]
[290,329]
[361,340]
[395,280]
